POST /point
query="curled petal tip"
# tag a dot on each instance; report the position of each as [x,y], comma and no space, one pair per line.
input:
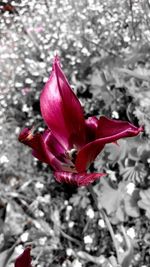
[91,127]
[116,143]
[56,59]
[141,129]
[26,134]
[108,131]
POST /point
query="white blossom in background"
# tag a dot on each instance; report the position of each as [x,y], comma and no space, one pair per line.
[131,232]
[71,224]
[69,252]
[66,202]
[24,237]
[4,159]
[90,213]
[130,188]
[39,185]
[115,114]
[119,238]
[42,240]
[68,210]
[25,108]
[19,250]
[76,263]
[101,223]
[88,239]
[17,130]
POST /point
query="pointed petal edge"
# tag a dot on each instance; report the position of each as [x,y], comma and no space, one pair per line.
[24,260]
[90,151]
[77,179]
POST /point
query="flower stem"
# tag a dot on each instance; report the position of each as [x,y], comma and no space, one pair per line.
[105,218]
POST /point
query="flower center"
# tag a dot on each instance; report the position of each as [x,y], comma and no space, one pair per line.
[71,154]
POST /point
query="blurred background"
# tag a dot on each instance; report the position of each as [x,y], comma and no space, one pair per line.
[104,47]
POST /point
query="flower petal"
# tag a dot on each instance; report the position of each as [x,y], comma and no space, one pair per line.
[54,146]
[58,150]
[61,109]
[77,179]
[88,154]
[24,260]
[40,149]
[91,127]
[108,127]
[90,151]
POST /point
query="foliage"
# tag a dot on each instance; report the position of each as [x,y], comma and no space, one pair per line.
[144,202]
[104,48]
[120,204]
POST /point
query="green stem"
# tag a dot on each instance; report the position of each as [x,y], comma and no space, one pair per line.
[105,218]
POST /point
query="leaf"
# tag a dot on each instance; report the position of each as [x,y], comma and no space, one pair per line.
[5,256]
[144,202]
[129,173]
[15,218]
[80,199]
[137,172]
[129,252]
[131,207]
[119,205]
[98,79]
[98,260]
[109,204]
[116,153]
[2,214]
[136,74]
[90,258]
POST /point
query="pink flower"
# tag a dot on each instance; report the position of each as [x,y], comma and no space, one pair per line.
[71,143]
[24,260]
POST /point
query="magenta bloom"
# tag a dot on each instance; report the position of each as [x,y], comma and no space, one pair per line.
[71,143]
[24,260]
